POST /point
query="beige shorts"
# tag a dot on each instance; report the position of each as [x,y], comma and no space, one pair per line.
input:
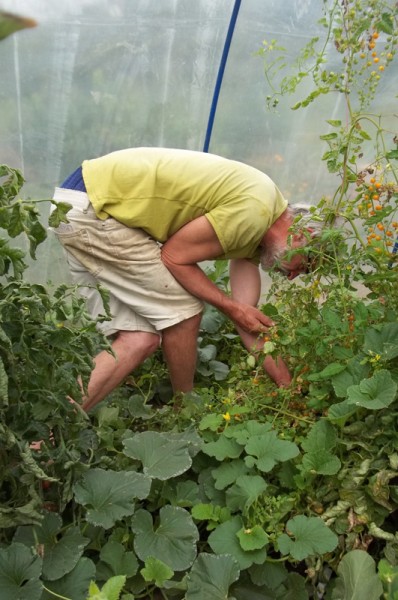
[144,296]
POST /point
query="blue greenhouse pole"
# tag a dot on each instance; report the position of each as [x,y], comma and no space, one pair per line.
[394,251]
[220,75]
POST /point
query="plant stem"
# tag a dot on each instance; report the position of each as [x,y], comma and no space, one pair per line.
[55,594]
[287,413]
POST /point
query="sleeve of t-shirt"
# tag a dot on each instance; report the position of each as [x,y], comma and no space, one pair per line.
[240,225]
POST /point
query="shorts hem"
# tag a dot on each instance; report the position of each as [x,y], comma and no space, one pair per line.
[160,325]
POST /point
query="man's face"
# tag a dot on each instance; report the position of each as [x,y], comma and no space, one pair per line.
[294,266]
[281,256]
[290,263]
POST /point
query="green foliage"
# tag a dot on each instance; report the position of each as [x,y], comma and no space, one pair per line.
[109,495]
[162,458]
[357,578]
[172,541]
[111,590]
[19,573]
[10,23]
[211,577]
[306,536]
[157,571]
[238,490]
[74,584]
[61,552]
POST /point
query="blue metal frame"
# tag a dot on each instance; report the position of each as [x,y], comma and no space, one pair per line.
[220,75]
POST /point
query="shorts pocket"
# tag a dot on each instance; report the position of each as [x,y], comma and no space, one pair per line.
[78,243]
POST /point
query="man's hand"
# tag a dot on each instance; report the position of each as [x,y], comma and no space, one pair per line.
[248,318]
[196,242]
[246,287]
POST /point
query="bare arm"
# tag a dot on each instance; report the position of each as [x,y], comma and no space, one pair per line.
[246,287]
[196,242]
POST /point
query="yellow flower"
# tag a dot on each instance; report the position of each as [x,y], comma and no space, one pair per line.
[227,416]
[375,358]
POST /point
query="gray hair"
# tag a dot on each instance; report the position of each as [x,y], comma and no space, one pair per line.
[304,214]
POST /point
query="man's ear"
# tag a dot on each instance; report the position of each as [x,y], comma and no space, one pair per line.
[299,238]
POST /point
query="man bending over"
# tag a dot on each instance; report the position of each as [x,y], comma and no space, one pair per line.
[141,221]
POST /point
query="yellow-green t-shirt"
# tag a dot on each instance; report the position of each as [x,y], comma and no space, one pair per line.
[162,189]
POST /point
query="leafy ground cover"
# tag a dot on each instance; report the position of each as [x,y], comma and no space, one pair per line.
[239,490]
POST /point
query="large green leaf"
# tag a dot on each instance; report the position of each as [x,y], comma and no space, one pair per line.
[110,591]
[374,393]
[189,436]
[271,574]
[244,492]
[219,369]
[213,421]
[327,372]
[339,413]
[210,512]
[207,489]
[223,448]
[318,445]
[228,472]
[181,493]
[246,590]
[321,435]
[20,571]
[383,341]
[357,578]
[321,463]
[157,571]
[306,536]
[267,450]
[172,541]
[355,371]
[208,352]
[212,319]
[254,538]
[244,431]
[75,584]
[211,577]
[61,552]
[118,559]
[162,458]
[109,495]
[224,540]
[292,588]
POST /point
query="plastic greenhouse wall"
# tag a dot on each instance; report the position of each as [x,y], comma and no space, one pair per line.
[99,75]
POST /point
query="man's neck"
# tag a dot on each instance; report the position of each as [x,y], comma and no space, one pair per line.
[277,234]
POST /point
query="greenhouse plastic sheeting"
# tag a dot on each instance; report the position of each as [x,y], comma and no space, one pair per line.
[99,75]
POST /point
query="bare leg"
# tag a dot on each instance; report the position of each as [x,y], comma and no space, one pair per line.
[275,368]
[131,349]
[180,352]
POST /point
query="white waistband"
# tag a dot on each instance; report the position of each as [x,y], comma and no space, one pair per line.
[74,197]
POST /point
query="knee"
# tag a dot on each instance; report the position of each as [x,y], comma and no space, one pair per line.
[151,342]
[147,343]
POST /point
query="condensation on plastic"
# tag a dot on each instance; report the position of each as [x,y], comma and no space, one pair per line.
[98,75]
